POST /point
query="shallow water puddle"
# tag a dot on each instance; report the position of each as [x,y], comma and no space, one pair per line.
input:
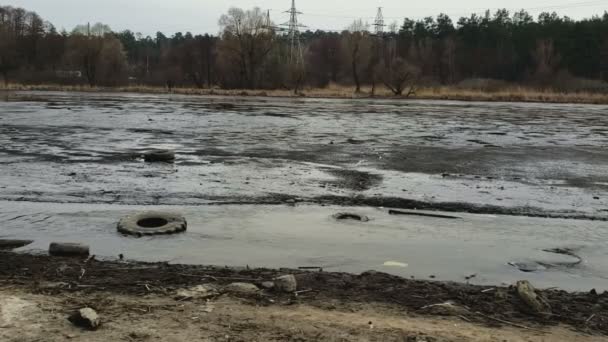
[309,236]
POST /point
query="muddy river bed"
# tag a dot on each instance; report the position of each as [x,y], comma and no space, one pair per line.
[259,180]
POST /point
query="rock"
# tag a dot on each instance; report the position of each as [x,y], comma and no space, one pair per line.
[12,244]
[241,288]
[268,285]
[446,309]
[534,302]
[286,283]
[86,318]
[68,249]
[196,292]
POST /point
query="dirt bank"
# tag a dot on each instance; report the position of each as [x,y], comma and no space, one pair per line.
[327,306]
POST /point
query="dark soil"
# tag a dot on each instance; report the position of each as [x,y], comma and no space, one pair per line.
[587,312]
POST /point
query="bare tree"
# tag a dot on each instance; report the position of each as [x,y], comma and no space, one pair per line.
[246,41]
[399,75]
[546,60]
[357,45]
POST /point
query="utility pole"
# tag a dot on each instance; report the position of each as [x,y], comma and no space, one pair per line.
[379,23]
[293,29]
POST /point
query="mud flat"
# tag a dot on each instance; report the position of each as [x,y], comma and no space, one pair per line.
[545,160]
[259,179]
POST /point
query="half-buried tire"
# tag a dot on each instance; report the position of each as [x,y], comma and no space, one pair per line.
[159,156]
[152,223]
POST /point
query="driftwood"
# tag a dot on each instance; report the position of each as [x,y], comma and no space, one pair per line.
[414,213]
[68,249]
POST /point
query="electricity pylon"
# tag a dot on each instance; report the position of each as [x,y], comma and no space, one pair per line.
[379,23]
[293,29]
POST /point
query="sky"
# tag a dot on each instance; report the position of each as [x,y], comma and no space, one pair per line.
[201,16]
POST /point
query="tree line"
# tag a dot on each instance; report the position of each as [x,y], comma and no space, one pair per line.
[250,53]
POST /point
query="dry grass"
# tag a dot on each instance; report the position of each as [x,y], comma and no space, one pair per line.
[508,94]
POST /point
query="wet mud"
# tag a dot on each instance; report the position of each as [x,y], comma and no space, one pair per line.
[493,306]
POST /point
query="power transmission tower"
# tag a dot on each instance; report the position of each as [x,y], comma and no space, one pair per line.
[268,24]
[293,29]
[379,23]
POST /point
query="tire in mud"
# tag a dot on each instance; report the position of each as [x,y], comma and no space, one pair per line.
[152,223]
[350,216]
[159,156]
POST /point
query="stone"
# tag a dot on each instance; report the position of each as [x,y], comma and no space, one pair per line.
[268,285]
[533,301]
[241,288]
[286,283]
[196,292]
[86,318]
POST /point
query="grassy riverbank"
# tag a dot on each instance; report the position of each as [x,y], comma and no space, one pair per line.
[508,94]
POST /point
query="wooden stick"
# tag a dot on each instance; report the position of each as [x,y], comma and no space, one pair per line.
[507,322]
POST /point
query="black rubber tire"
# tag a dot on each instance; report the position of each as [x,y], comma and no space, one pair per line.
[351,216]
[159,156]
[168,223]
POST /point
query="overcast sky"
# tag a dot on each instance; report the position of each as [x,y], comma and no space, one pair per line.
[201,16]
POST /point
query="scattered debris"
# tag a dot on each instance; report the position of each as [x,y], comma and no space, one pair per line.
[395,264]
[68,249]
[86,318]
[286,283]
